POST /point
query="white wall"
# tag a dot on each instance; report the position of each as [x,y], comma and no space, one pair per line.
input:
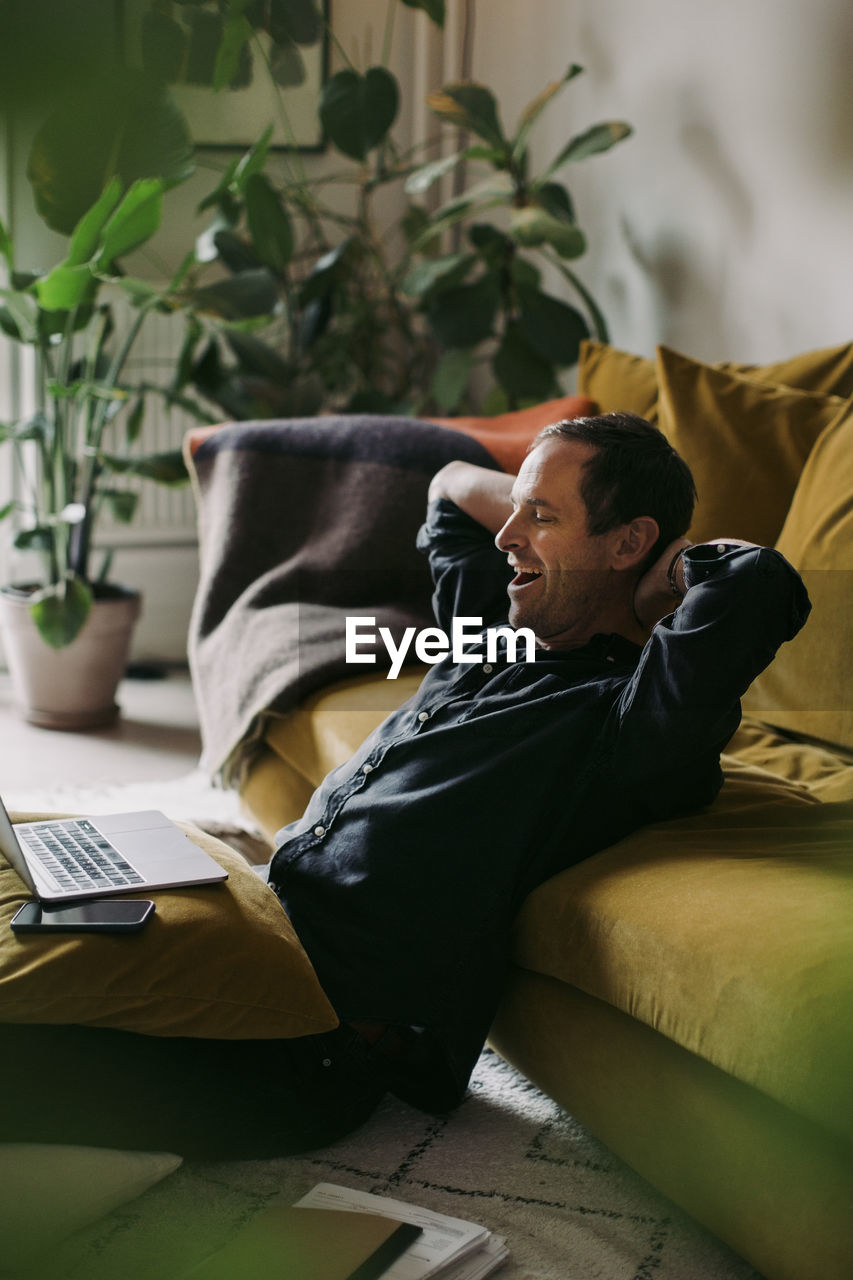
[723,227]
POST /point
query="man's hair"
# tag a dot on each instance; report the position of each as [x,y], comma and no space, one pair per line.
[634,472]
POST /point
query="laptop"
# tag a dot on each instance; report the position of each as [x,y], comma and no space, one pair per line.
[65,859]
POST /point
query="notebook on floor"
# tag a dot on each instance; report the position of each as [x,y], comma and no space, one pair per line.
[64,859]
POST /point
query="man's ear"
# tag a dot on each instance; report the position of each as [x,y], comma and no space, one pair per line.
[634,541]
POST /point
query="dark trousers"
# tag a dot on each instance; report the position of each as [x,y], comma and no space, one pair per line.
[203,1099]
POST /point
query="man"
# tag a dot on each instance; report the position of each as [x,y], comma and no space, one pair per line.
[411,861]
[405,873]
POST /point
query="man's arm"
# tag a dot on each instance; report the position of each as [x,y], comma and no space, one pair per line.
[662,587]
[740,603]
[481,493]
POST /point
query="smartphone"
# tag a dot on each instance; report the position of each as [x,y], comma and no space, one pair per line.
[108,915]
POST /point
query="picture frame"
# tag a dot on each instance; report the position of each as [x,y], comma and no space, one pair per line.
[234,118]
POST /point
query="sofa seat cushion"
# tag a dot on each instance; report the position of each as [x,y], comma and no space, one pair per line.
[730,932]
[825,771]
[218,962]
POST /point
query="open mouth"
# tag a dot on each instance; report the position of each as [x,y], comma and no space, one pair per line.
[524,577]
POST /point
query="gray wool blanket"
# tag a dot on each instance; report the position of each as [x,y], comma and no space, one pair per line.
[301,523]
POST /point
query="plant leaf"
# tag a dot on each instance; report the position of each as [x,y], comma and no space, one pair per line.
[269,224]
[357,111]
[534,109]
[250,293]
[7,509]
[237,33]
[256,356]
[286,64]
[87,233]
[123,124]
[489,194]
[521,371]
[430,273]
[464,316]
[66,288]
[122,503]
[60,611]
[470,106]
[424,177]
[23,310]
[6,245]
[451,377]
[552,328]
[134,221]
[134,421]
[326,273]
[297,20]
[252,162]
[555,199]
[533,227]
[166,468]
[37,538]
[601,137]
[433,8]
[163,45]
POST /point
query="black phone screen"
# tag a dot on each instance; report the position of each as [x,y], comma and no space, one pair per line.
[114,915]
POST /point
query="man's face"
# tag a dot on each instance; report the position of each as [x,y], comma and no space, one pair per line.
[564,584]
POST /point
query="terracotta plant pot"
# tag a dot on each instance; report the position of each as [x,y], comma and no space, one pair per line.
[73,687]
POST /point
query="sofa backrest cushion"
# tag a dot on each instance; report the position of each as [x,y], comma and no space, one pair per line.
[745,441]
[808,688]
[619,380]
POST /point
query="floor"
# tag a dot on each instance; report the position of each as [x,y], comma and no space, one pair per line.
[156,737]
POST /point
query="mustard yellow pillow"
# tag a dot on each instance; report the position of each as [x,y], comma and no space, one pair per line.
[618,380]
[219,962]
[808,688]
[745,441]
[828,370]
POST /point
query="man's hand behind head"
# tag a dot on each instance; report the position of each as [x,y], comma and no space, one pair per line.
[662,586]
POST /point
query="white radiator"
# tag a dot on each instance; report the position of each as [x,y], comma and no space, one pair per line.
[164,514]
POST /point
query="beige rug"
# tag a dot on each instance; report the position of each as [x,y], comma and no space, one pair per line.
[508,1157]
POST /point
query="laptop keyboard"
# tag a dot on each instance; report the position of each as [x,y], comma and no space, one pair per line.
[78,856]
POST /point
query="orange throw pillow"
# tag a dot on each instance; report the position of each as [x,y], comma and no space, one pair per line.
[508,435]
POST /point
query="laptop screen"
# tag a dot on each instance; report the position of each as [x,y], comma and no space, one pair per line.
[13,852]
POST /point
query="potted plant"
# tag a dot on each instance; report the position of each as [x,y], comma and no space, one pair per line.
[67,632]
[409,313]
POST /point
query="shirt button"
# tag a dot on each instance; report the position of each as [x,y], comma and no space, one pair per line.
[487,668]
[721,547]
[319,831]
[367,768]
[423,715]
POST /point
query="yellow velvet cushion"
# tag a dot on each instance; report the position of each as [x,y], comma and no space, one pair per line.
[745,441]
[730,932]
[218,962]
[808,688]
[618,380]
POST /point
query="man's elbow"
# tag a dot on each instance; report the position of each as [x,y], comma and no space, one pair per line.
[444,483]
